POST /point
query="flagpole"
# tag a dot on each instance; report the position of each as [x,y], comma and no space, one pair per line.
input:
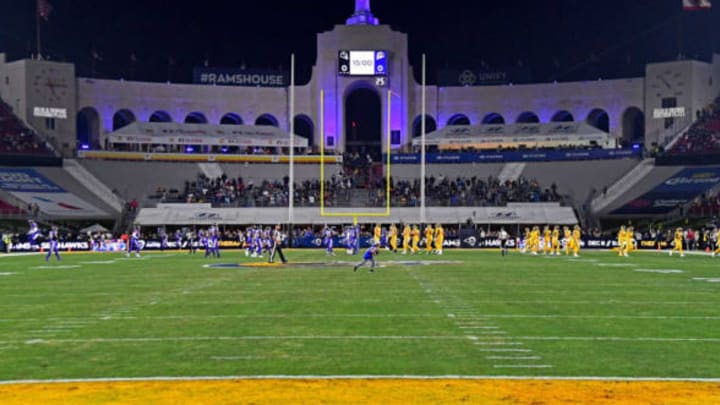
[37,29]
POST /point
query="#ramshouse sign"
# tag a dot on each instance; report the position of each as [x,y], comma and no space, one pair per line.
[239,77]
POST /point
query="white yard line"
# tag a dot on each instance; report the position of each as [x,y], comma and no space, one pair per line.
[226,338]
[506,350]
[513,357]
[363,377]
[522,366]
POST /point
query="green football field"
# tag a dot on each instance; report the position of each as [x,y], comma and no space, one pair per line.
[467,313]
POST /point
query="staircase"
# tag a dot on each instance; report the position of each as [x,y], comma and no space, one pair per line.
[622,186]
[211,170]
[84,177]
[511,171]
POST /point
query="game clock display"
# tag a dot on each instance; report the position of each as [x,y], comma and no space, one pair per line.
[362,63]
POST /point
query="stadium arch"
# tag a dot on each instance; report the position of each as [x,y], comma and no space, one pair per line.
[196,117]
[459,119]
[305,128]
[267,120]
[430,125]
[493,119]
[231,119]
[562,116]
[599,119]
[633,126]
[527,117]
[363,119]
[160,116]
[88,127]
[122,118]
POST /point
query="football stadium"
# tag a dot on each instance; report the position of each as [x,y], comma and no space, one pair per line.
[367,222]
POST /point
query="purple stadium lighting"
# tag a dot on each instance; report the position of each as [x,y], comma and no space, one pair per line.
[362,14]
[85,146]
[189,149]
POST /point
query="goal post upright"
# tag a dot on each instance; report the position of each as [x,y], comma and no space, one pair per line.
[423,109]
[291,113]
[354,214]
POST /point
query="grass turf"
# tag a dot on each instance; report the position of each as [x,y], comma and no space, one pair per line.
[102,316]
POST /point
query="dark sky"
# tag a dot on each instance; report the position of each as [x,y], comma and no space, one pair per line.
[554,39]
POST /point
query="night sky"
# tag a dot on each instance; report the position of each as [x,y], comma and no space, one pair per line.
[555,39]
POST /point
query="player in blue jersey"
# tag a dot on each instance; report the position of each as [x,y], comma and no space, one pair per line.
[162,233]
[369,257]
[33,233]
[54,244]
[249,248]
[179,238]
[328,241]
[134,244]
[215,237]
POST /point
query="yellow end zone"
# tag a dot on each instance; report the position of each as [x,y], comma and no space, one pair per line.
[344,391]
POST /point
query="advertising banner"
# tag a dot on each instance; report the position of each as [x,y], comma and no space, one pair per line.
[516,156]
[675,191]
[32,187]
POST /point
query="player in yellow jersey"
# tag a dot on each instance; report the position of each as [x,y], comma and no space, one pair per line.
[534,240]
[393,237]
[678,242]
[622,241]
[377,233]
[406,238]
[629,240]
[429,232]
[576,237]
[555,240]
[439,239]
[547,244]
[567,236]
[415,235]
[526,240]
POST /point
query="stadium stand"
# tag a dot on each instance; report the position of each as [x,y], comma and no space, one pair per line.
[703,137]
[7,209]
[657,175]
[16,138]
[63,179]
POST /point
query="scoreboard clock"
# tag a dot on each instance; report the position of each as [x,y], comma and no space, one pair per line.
[362,63]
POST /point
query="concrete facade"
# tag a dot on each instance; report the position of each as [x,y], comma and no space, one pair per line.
[24,85]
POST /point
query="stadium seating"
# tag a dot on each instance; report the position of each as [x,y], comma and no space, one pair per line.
[702,138]
[9,209]
[16,138]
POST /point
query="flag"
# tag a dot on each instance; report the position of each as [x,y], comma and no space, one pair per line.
[694,5]
[44,8]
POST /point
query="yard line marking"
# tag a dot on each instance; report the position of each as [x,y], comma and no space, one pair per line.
[496,332]
[621,338]
[69,266]
[506,350]
[513,357]
[661,271]
[228,338]
[478,327]
[359,377]
[239,357]
[499,343]
[7,273]
[615,264]
[483,317]
[522,366]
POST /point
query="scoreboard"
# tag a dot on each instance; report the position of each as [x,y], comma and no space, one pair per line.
[362,63]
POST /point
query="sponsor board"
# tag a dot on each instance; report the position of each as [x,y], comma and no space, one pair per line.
[32,187]
[513,156]
[674,192]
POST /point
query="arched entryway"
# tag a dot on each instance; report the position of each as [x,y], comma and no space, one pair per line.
[633,127]
[430,125]
[196,117]
[231,119]
[160,116]
[459,119]
[599,119]
[303,126]
[493,119]
[528,117]
[363,120]
[562,116]
[88,128]
[122,118]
